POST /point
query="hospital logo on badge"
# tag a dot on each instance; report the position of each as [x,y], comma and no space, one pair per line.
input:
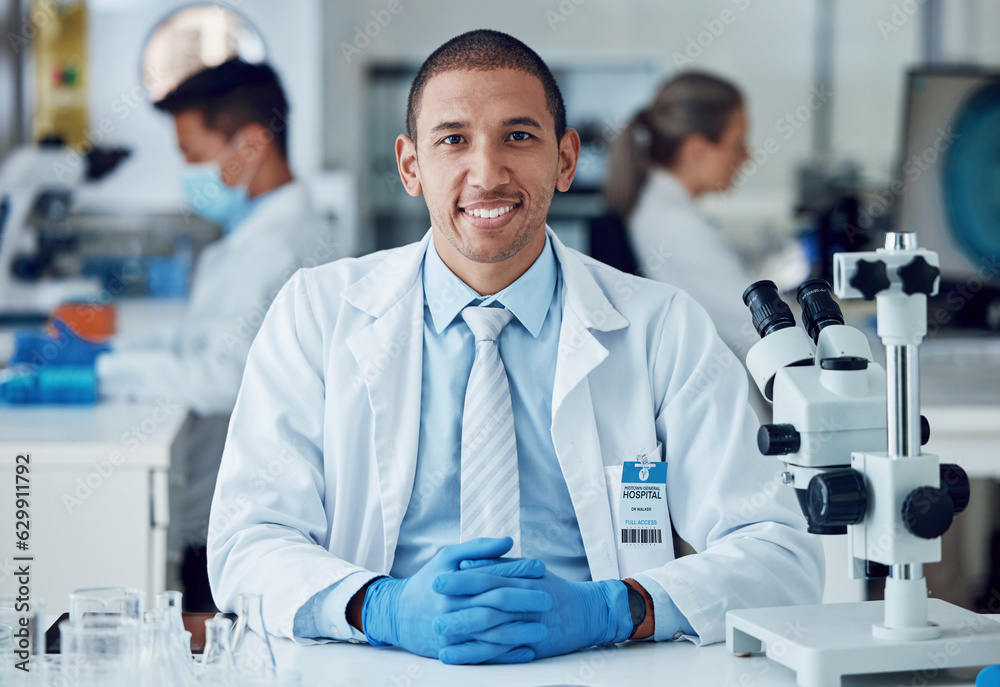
[644,474]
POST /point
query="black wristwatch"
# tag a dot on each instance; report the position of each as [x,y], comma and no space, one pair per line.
[636,606]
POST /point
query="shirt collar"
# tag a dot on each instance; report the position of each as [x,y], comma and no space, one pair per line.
[445,294]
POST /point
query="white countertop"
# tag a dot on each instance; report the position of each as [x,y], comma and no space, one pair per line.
[70,435]
[640,664]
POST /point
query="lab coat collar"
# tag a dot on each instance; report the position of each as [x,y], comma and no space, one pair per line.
[583,295]
[270,213]
[395,274]
[446,295]
[664,183]
[390,279]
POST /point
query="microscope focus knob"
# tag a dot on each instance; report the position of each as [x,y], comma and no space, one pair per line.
[870,278]
[927,512]
[956,483]
[778,440]
[918,276]
[838,497]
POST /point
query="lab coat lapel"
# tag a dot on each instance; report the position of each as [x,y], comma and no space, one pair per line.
[389,353]
[574,427]
[574,435]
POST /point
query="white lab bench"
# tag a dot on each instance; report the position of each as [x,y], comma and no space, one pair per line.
[99,506]
[634,663]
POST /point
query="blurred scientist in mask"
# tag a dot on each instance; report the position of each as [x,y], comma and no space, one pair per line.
[688,142]
[231,125]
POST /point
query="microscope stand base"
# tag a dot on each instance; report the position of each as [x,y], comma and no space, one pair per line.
[823,643]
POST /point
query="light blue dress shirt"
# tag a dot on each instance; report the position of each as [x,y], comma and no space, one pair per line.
[528,347]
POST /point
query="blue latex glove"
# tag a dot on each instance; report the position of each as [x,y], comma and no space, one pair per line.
[583,614]
[989,677]
[403,612]
[38,349]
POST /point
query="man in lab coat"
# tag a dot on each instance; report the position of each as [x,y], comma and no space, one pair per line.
[348,478]
[231,125]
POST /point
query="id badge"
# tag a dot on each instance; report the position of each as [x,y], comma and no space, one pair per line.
[642,507]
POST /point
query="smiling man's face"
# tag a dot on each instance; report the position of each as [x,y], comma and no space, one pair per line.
[488,163]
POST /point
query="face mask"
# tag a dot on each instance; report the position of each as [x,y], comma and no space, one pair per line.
[208,196]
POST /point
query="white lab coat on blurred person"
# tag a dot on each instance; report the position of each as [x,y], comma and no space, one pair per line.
[234,281]
[322,450]
[674,242]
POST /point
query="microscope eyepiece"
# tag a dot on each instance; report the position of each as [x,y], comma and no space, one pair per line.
[819,309]
[768,311]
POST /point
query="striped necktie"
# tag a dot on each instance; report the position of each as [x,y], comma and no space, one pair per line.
[491,499]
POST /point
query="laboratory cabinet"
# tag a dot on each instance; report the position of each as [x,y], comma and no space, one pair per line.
[99,480]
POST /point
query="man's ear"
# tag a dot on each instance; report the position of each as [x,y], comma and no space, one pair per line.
[251,141]
[256,137]
[406,161]
[569,155]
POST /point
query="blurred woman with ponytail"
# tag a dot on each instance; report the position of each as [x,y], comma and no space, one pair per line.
[688,142]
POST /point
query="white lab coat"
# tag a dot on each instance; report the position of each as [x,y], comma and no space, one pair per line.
[322,448]
[675,243]
[234,281]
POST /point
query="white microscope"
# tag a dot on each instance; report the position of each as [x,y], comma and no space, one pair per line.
[850,433]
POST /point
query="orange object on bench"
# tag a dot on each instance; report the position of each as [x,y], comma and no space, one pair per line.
[91,321]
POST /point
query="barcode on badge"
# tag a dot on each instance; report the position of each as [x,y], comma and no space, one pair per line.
[642,536]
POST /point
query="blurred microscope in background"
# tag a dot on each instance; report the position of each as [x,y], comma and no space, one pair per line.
[46,246]
[50,253]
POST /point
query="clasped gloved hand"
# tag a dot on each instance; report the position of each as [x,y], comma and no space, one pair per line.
[583,614]
[412,614]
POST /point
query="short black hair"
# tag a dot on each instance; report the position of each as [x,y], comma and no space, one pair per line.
[232,95]
[485,50]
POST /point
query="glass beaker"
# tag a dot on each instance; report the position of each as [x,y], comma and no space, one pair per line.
[106,601]
[106,648]
[254,659]
[217,665]
[59,671]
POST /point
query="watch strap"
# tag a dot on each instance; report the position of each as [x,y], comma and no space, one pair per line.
[636,607]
